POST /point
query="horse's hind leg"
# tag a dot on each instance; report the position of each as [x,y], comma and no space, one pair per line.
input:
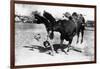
[69,44]
[78,37]
[82,34]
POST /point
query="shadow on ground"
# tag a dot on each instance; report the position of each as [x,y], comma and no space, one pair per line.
[56,47]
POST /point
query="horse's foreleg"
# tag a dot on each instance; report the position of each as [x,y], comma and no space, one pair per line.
[52,49]
[47,36]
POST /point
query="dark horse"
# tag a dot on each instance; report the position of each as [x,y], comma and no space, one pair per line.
[67,28]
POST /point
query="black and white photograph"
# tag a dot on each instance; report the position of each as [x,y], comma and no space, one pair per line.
[51,34]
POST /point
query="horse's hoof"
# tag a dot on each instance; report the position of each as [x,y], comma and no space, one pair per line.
[57,52]
[76,42]
[50,53]
[67,50]
[66,53]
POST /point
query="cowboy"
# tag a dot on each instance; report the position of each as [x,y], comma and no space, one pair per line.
[48,47]
[75,16]
[82,20]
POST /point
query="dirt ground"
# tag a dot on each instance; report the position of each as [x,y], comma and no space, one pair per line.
[24,40]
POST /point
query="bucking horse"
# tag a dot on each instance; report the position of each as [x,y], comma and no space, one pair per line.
[67,28]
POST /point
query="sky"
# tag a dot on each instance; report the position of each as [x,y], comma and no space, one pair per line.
[56,11]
